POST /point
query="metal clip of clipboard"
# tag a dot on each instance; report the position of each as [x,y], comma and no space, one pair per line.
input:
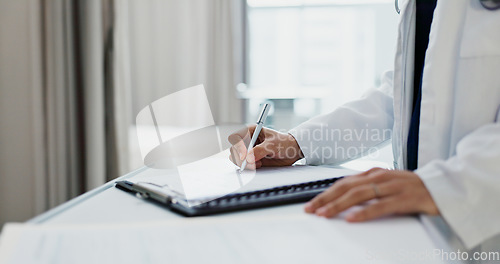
[144,191]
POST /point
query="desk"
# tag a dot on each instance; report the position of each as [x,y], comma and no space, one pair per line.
[107,204]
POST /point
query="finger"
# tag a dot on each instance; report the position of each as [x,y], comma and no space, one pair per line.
[378,209]
[354,196]
[241,134]
[240,150]
[262,150]
[240,141]
[358,195]
[250,161]
[336,190]
[251,166]
[370,171]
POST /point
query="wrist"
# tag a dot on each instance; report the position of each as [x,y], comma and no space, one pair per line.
[295,145]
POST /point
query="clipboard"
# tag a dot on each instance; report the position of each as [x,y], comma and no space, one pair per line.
[174,201]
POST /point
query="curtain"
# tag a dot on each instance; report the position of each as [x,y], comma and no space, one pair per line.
[78,108]
[57,106]
[61,101]
[163,46]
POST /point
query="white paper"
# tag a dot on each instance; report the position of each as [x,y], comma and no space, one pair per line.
[216,176]
[212,177]
[295,238]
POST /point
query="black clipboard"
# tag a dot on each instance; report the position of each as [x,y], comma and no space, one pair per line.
[281,195]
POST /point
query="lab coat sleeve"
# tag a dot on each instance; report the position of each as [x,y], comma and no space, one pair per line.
[351,130]
[466,187]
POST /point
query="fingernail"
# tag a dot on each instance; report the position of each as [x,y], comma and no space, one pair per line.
[308,207]
[351,217]
[321,211]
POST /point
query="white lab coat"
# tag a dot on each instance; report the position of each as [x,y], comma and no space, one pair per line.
[459,141]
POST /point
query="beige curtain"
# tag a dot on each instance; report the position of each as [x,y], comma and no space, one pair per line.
[57,103]
[79,120]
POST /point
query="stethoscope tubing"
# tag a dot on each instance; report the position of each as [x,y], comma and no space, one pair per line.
[488,4]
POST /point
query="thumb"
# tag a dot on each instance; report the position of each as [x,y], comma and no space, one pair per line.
[261,151]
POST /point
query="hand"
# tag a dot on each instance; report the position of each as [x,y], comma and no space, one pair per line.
[393,191]
[271,149]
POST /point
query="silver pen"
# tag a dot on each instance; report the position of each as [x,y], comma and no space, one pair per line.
[260,124]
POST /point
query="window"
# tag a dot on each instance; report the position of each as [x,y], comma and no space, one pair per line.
[310,56]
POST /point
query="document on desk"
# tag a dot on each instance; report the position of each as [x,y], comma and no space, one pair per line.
[297,238]
[216,176]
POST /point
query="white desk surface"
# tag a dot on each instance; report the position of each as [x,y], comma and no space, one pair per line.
[107,204]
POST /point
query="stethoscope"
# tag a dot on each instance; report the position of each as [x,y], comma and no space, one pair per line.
[488,4]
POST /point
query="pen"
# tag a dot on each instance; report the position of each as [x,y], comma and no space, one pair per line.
[260,124]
